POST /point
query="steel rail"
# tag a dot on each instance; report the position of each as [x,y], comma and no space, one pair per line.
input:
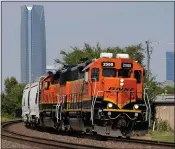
[42,141]
[141,141]
[56,143]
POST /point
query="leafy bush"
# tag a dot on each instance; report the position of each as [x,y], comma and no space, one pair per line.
[163,125]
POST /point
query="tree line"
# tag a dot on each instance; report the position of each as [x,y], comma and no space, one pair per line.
[12,96]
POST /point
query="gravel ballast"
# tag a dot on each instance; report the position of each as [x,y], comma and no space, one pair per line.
[9,144]
[107,144]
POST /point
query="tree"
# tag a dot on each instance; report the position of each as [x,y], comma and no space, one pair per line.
[74,57]
[11,98]
[153,87]
[168,90]
[135,52]
[16,95]
[9,83]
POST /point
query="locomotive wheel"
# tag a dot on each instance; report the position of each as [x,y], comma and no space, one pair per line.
[29,125]
[32,125]
[25,123]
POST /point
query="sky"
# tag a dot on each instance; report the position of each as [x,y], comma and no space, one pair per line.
[109,23]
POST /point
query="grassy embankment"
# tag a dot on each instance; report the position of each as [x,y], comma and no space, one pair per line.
[5,117]
[158,136]
[162,136]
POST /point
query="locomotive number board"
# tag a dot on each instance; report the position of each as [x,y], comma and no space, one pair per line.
[126,65]
[108,64]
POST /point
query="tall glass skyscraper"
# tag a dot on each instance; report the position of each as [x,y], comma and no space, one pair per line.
[33,43]
[170,66]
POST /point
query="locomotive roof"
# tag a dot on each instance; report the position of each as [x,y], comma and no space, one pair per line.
[87,66]
[74,67]
[27,86]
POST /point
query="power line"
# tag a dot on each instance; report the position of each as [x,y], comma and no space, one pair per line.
[161,42]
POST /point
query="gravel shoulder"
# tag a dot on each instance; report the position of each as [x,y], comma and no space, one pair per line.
[9,144]
[106,144]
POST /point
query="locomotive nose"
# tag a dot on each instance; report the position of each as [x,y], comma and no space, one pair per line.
[120,91]
[110,84]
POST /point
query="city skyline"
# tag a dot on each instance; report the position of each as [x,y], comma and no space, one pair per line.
[170,66]
[111,23]
[33,43]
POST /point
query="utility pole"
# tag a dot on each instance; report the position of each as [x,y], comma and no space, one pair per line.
[148,52]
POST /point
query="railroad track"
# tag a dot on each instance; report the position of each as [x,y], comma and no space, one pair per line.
[149,142]
[61,144]
[48,143]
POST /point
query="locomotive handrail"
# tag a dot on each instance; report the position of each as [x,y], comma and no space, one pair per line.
[59,108]
[144,93]
[149,110]
[93,103]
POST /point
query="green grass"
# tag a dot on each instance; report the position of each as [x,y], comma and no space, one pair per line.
[5,117]
[162,136]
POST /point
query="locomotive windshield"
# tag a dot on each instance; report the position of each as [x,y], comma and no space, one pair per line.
[125,73]
[109,72]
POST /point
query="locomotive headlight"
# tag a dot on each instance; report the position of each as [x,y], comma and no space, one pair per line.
[109,105]
[122,80]
[136,106]
[121,84]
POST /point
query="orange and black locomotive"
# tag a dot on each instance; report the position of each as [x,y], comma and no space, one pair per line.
[104,96]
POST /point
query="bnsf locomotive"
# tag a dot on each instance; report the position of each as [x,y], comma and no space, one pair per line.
[104,96]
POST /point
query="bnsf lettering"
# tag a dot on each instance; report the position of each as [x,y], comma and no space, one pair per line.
[121,89]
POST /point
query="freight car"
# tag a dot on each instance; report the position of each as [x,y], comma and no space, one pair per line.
[104,96]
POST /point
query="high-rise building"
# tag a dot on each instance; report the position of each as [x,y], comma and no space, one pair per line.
[54,68]
[33,43]
[170,66]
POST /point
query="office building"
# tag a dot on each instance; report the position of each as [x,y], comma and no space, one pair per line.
[33,43]
[170,66]
[54,68]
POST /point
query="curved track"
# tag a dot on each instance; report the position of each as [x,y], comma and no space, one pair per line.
[149,142]
[41,141]
[61,144]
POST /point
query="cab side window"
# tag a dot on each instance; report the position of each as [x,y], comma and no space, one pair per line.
[29,99]
[138,75]
[36,97]
[95,75]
